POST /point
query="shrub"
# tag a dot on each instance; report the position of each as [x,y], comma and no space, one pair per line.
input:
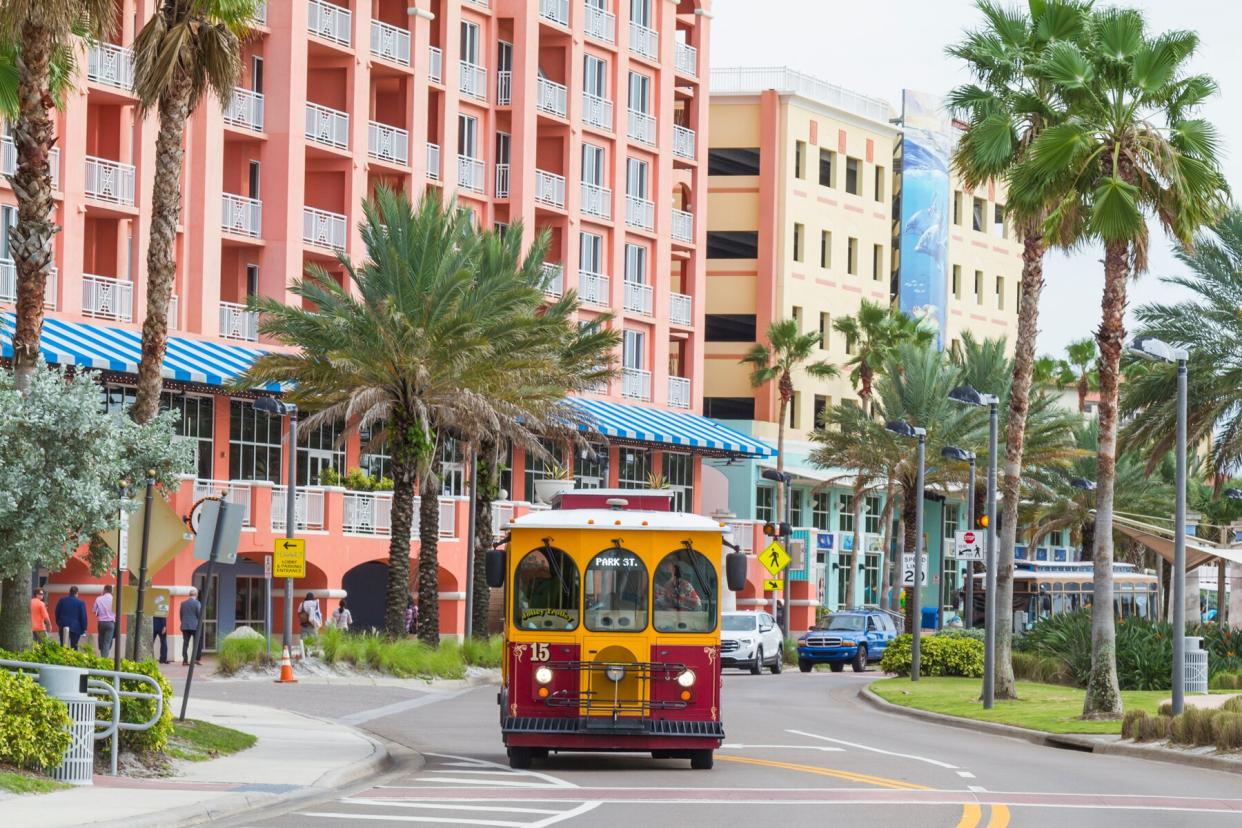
[1229,734]
[236,653]
[404,658]
[1154,728]
[1225,681]
[1144,649]
[1233,705]
[962,632]
[1131,723]
[34,727]
[483,652]
[940,656]
[1043,669]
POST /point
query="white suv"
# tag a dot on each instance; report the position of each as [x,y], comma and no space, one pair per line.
[751,639]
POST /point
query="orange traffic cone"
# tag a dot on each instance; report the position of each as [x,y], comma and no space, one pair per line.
[286,669]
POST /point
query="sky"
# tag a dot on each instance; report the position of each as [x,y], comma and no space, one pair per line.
[882,46]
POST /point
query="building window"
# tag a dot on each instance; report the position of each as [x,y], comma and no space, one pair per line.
[537,468]
[878,188]
[825,330]
[591,467]
[826,162]
[877,262]
[470,42]
[633,467]
[375,458]
[594,76]
[452,468]
[957,281]
[634,350]
[640,93]
[679,471]
[1000,293]
[197,424]
[636,264]
[800,159]
[821,510]
[729,408]
[733,161]
[730,327]
[794,413]
[593,165]
[957,207]
[765,504]
[853,185]
[851,256]
[821,406]
[849,346]
[845,513]
[951,519]
[976,215]
[254,443]
[799,232]
[796,313]
[590,253]
[825,249]
[999,229]
[796,498]
[871,521]
[637,177]
[319,449]
[978,287]
[732,244]
[467,136]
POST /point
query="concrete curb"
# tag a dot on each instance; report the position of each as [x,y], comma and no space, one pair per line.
[1065,741]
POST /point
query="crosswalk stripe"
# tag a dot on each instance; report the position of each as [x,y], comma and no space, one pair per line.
[504,782]
[409,818]
[390,803]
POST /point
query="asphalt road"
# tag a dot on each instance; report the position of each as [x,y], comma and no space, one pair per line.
[801,749]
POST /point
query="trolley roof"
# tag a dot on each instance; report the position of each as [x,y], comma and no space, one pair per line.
[613,519]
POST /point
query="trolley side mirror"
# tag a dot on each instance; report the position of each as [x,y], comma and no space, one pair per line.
[495,565]
[735,571]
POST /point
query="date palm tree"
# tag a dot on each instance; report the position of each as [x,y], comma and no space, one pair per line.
[188,48]
[1078,370]
[1128,149]
[873,334]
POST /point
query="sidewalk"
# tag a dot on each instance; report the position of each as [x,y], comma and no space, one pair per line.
[296,757]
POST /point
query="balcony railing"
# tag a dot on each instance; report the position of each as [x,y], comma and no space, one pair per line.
[245,109]
[554,275]
[552,98]
[237,492]
[241,215]
[8,160]
[367,513]
[596,201]
[642,127]
[388,143]
[108,180]
[111,65]
[323,229]
[644,41]
[435,64]
[636,383]
[639,212]
[638,297]
[686,59]
[8,284]
[473,80]
[683,142]
[174,313]
[502,181]
[683,226]
[600,25]
[593,288]
[555,10]
[307,508]
[470,173]
[238,323]
[678,392]
[433,162]
[549,188]
[597,111]
[327,126]
[329,21]
[260,13]
[107,298]
[680,309]
[504,88]
[390,42]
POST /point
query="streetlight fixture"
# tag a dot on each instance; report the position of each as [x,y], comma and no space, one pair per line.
[967,395]
[963,456]
[1150,348]
[904,429]
[784,479]
[271,405]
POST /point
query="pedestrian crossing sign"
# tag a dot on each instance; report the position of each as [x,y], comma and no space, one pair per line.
[774,558]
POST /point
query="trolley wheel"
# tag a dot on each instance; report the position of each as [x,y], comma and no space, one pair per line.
[756,666]
[836,666]
[520,757]
[779,664]
[804,665]
[702,759]
[860,659]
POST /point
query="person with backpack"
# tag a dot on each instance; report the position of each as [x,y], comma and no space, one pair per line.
[309,616]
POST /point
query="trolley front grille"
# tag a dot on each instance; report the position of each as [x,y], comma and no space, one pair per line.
[596,724]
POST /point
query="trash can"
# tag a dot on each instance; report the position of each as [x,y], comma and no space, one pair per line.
[1196,675]
[68,684]
[930,621]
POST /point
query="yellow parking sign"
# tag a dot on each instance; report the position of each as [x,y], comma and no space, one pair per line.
[289,558]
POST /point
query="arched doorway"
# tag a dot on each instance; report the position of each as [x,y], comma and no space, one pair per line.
[367,585]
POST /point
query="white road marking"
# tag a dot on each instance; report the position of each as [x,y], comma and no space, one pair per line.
[488,782]
[363,716]
[976,789]
[404,818]
[825,749]
[383,802]
[966,774]
[935,762]
[483,763]
[584,808]
[460,767]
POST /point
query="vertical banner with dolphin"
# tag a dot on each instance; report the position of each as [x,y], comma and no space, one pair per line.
[923,272]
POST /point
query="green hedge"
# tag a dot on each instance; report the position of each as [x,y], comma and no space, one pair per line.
[940,655]
[1198,727]
[34,728]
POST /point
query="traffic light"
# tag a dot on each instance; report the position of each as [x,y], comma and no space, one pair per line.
[982,521]
[777,530]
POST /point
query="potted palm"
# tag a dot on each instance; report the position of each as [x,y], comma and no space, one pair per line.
[558,479]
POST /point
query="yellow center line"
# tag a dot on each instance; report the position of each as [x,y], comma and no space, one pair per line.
[1000,816]
[971,814]
[878,781]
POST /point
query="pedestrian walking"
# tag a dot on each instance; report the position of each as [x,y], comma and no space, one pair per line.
[159,632]
[40,621]
[105,620]
[191,614]
[310,618]
[71,618]
[341,618]
[411,617]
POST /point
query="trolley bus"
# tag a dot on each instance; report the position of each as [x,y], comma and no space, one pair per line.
[612,627]
[1044,589]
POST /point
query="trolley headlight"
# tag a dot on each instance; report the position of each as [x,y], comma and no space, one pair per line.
[543,675]
[686,678]
[614,672]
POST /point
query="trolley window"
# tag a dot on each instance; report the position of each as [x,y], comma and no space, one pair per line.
[616,592]
[685,593]
[545,593]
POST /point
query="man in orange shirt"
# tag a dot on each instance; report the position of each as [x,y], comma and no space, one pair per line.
[40,622]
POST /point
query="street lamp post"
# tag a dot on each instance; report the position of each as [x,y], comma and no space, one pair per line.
[962,455]
[969,396]
[904,429]
[271,405]
[1153,349]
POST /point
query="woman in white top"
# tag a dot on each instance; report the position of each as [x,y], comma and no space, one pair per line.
[309,616]
[341,619]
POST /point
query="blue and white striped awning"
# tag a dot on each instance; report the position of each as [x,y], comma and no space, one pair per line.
[671,428]
[120,349]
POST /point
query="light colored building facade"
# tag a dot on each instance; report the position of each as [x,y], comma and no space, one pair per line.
[586,118]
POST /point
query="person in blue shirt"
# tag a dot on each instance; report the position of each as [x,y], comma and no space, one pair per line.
[71,617]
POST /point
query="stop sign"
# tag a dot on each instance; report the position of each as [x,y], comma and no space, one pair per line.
[969,537]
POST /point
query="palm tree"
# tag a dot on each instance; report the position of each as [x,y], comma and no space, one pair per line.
[786,350]
[187,49]
[1078,371]
[1007,108]
[1128,149]
[873,333]
[427,344]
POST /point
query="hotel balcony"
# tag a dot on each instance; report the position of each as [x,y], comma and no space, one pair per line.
[504,88]
[553,97]
[683,142]
[388,143]
[683,226]
[111,65]
[329,22]
[596,201]
[644,42]
[686,59]
[245,110]
[238,323]
[8,284]
[680,309]
[555,276]
[597,112]
[435,64]
[8,160]
[473,81]
[327,126]
[636,384]
[174,313]
[105,297]
[502,181]
[242,216]
[549,188]
[110,181]
[639,212]
[641,127]
[600,25]
[260,13]
[470,173]
[593,289]
[390,43]
[638,298]
[433,162]
[678,392]
[321,228]
[556,11]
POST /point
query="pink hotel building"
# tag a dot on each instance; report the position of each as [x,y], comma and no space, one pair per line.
[585,117]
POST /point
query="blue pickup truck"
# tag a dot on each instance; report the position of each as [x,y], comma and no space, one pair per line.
[852,637]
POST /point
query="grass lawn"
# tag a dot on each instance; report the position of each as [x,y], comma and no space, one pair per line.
[22,783]
[1048,707]
[197,741]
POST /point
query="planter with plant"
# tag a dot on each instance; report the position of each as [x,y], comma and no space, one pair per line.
[557,480]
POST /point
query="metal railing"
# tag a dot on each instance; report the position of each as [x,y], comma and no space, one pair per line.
[639,212]
[678,392]
[638,297]
[641,127]
[242,215]
[104,297]
[307,508]
[328,126]
[433,162]
[686,59]
[683,142]
[367,513]
[552,97]
[636,383]
[329,21]
[260,13]
[470,173]
[8,284]
[504,87]
[237,492]
[238,323]
[743,532]
[596,200]
[388,143]
[110,65]
[782,79]
[683,226]
[600,24]
[597,111]
[435,64]
[549,188]
[502,181]
[593,288]
[390,42]
[473,80]
[323,229]
[644,41]
[680,309]
[174,312]
[108,180]
[8,160]
[245,109]
[555,10]
[555,276]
